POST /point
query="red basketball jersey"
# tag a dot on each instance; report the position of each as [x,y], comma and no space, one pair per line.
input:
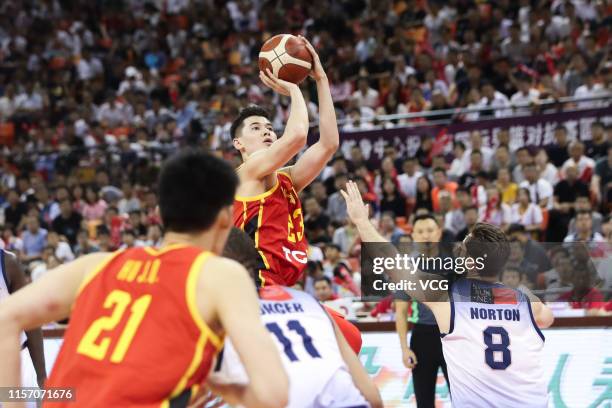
[135,336]
[275,222]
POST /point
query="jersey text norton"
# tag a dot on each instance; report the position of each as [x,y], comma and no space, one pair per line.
[275,222]
[135,336]
[493,350]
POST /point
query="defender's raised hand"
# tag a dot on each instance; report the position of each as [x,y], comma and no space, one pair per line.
[356,209]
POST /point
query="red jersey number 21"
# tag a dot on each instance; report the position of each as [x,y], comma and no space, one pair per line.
[95,346]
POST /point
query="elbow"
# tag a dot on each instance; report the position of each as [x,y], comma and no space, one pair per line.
[299,133]
[332,146]
[549,321]
[546,318]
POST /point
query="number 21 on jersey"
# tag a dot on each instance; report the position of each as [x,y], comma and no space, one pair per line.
[95,345]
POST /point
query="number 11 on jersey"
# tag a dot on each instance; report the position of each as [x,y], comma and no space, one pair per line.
[295,326]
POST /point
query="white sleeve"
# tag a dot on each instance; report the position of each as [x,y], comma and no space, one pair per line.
[514,214]
[537,215]
[506,214]
[546,190]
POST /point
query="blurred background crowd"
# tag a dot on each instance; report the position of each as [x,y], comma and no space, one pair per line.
[94,94]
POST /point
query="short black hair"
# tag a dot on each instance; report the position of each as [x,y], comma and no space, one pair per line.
[341,175]
[332,245]
[488,242]
[582,212]
[514,228]
[503,146]
[531,164]
[512,268]
[439,170]
[459,143]
[322,278]
[102,230]
[251,110]
[422,217]
[193,187]
[241,248]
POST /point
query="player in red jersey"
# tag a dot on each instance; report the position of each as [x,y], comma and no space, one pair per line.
[146,324]
[267,206]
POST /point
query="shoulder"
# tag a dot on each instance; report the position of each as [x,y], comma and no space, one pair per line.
[96,258]
[285,172]
[219,270]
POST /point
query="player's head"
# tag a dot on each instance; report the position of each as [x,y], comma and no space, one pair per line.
[323,289]
[241,248]
[196,192]
[489,245]
[252,130]
[511,276]
[425,228]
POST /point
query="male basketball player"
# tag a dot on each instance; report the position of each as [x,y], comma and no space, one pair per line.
[267,205]
[323,370]
[145,323]
[32,353]
[491,335]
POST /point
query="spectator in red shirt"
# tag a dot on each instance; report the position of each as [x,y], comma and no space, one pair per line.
[584,295]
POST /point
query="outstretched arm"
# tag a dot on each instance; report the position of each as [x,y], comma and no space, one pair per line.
[267,161]
[46,300]
[359,214]
[315,158]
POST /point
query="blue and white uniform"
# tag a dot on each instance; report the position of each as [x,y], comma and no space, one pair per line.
[493,350]
[306,340]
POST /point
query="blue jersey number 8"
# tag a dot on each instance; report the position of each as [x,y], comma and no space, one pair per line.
[499,347]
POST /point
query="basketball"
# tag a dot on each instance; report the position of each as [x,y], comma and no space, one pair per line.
[287,57]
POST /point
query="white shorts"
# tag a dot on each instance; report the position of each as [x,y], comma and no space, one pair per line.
[340,392]
[28,372]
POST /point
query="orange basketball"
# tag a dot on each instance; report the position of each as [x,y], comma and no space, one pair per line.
[287,57]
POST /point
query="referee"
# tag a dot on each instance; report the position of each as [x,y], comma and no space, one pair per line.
[424,356]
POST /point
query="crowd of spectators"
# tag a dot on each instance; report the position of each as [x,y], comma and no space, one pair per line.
[94,94]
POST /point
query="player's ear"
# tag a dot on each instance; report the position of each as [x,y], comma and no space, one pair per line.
[237,144]
[225,219]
